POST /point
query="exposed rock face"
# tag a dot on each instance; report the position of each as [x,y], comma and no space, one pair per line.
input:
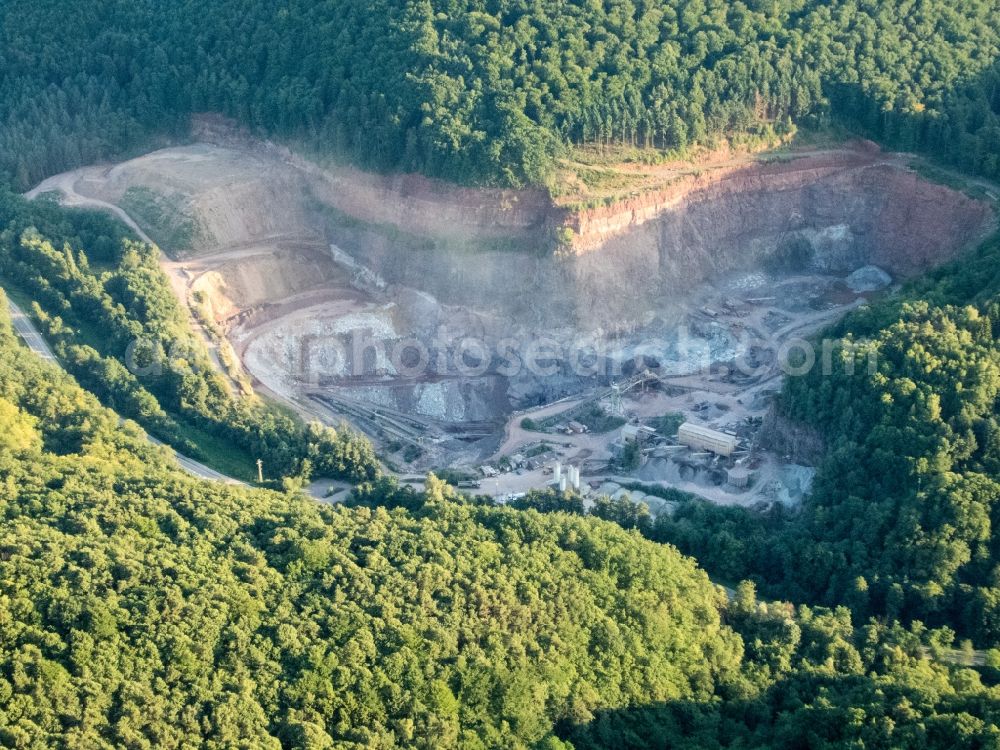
[832,218]
[829,213]
[850,205]
[437,262]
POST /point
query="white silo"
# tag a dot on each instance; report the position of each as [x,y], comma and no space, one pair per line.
[574,476]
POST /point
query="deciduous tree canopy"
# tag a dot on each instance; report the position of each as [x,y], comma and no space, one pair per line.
[142,608]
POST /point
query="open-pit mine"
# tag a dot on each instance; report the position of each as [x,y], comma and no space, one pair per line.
[504,331]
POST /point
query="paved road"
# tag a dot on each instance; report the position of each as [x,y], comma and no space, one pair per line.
[27,331]
[196,468]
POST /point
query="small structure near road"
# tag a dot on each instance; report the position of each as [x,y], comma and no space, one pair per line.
[739,477]
[701,438]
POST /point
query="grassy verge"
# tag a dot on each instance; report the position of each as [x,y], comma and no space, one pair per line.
[218,453]
[538,242]
[18,296]
[163,218]
[951,179]
[336,218]
[595,175]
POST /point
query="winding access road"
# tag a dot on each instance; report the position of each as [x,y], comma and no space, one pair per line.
[36,343]
[65,185]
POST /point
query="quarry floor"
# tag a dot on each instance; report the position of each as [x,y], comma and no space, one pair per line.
[730,405]
[267,277]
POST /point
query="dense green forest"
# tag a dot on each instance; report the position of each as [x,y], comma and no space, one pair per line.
[493,92]
[108,309]
[142,608]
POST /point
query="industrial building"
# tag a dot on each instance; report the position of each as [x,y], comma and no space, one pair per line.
[702,438]
[632,433]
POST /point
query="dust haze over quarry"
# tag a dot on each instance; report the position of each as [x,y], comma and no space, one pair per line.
[428,313]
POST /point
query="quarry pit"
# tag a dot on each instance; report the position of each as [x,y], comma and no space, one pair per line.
[461,327]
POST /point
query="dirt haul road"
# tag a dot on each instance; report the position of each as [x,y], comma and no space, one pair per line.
[65,185]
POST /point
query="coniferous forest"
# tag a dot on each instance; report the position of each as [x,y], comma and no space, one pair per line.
[494,92]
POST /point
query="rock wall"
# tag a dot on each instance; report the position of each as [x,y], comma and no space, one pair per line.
[829,213]
[490,250]
[430,207]
[842,218]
